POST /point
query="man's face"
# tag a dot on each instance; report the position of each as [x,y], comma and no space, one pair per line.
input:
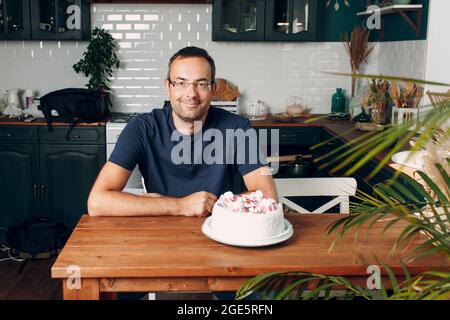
[192,103]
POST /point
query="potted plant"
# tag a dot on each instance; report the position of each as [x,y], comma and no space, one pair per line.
[99,61]
[425,208]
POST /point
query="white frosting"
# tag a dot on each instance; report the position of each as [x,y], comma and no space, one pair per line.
[247,217]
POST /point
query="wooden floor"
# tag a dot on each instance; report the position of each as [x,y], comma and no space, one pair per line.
[28,280]
[31,280]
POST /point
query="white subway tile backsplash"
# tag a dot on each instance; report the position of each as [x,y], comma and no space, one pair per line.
[107,26]
[151,17]
[133,17]
[123,26]
[114,17]
[117,35]
[142,26]
[134,36]
[148,34]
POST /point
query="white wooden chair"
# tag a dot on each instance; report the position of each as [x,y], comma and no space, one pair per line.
[340,188]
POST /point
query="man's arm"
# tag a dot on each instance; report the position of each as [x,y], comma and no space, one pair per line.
[261,179]
[107,199]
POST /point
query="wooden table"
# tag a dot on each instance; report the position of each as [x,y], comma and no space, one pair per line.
[155,254]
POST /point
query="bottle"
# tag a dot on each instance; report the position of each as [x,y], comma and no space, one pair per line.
[338,101]
[29,98]
[363,117]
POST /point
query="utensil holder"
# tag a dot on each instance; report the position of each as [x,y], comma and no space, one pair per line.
[402,115]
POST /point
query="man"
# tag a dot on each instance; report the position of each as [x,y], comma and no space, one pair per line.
[189,189]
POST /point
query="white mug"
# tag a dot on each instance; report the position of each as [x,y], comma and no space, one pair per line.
[45,26]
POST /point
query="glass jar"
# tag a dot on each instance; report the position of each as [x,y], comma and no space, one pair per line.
[379,114]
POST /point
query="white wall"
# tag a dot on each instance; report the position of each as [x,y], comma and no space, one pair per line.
[149,34]
[438,50]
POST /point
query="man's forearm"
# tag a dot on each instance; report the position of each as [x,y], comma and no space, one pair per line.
[117,203]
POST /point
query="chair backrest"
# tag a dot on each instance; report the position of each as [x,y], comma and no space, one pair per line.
[340,188]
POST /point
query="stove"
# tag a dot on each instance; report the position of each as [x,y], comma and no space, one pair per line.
[123,117]
[114,127]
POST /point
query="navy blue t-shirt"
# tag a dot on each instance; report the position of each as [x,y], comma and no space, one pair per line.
[177,165]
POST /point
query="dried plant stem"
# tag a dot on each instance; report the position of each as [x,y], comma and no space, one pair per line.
[358,49]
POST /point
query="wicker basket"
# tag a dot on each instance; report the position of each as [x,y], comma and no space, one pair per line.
[439,100]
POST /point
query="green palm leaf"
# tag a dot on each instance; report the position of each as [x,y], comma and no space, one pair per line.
[424,208]
[299,286]
[389,78]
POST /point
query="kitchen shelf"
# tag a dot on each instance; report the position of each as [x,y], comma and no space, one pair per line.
[152,1]
[400,9]
[393,9]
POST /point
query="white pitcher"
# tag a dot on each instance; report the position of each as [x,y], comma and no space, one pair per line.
[3,101]
[13,108]
[13,97]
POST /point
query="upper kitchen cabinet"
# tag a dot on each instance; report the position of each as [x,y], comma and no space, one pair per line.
[238,20]
[14,19]
[45,20]
[264,20]
[60,19]
[291,20]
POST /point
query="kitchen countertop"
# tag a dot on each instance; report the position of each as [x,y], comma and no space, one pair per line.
[5,120]
[343,129]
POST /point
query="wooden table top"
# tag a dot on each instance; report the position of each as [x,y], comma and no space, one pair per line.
[151,247]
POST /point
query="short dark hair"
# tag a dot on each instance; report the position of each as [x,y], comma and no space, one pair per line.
[193,52]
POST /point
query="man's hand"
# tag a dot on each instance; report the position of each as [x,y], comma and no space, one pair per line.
[198,204]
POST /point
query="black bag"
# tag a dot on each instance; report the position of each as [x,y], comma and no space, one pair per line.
[74,105]
[37,239]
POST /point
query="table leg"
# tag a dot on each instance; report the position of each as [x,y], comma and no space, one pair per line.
[88,289]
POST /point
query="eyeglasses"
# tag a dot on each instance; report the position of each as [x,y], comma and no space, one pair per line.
[198,85]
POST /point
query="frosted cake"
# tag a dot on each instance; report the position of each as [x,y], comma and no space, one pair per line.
[247,216]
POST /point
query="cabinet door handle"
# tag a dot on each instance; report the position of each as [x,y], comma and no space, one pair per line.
[35,191]
[288,135]
[42,191]
[76,136]
[5,134]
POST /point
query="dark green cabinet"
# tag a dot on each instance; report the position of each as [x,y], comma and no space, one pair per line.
[264,20]
[45,20]
[362,174]
[48,174]
[19,187]
[238,20]
[60,19]
[15,20]
[290,20]
[292,136]
[67,176]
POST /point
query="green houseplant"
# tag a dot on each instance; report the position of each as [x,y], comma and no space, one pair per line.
[99,61]
[424,207]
